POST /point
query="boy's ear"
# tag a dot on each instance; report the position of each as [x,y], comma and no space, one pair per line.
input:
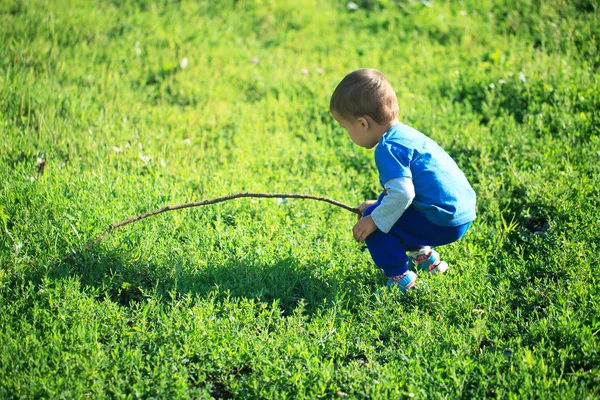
[364,123]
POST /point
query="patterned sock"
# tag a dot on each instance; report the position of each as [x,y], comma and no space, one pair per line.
[420,255]
[398,278]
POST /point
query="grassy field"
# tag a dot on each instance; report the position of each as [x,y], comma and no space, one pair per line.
[112,108]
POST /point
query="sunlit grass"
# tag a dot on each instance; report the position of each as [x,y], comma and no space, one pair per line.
[257,298]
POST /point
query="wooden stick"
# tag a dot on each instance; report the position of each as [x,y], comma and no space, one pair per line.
[212,201]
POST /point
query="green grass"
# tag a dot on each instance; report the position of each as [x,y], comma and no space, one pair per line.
[255,298]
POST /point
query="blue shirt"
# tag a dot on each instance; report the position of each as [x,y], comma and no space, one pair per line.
[442,192]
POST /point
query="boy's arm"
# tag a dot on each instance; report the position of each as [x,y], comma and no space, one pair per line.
[400,194]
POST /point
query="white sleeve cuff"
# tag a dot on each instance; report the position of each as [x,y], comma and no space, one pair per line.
[400,194]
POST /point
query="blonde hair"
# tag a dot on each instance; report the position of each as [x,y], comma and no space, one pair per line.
[365,92]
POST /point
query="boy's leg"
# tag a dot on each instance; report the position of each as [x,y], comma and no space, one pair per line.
[389,254]
[419,234]
[416,231]
[387,251]
[412,232]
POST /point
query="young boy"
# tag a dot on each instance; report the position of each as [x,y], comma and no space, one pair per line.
[426,201]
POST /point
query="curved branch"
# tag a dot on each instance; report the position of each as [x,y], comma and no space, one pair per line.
[213,201]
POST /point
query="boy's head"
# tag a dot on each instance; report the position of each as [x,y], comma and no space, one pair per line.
[364,97]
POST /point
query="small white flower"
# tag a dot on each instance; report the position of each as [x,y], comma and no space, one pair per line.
[254,60]
[463,13]
[304,71]
[117,149]
[183,63]
[457,73]
[351,6]
[522,77]
[187,141]
[501,81]
[492,86]
[145,159]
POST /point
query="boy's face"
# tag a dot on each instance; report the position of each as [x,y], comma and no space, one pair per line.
[358,130]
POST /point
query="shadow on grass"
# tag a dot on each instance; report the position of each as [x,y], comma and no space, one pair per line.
[127,281]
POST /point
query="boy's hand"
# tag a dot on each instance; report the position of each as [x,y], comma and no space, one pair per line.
[364,206]
[363,228]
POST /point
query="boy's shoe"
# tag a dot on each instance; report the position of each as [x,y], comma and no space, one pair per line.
[404,282]
[428,259]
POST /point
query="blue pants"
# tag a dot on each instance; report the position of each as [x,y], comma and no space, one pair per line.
[410,233]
